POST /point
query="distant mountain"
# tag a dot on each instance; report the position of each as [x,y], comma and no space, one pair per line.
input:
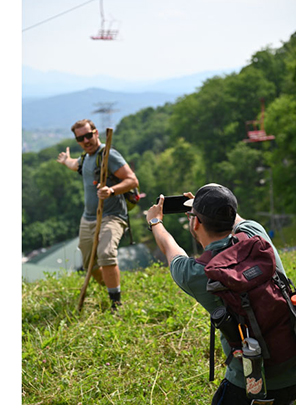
[61,111]
[53,101]
[50,119]
[44,84]
[187,84]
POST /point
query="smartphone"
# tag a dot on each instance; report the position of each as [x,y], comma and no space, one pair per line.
[174,204]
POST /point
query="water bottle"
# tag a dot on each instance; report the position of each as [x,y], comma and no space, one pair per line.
[253,369]
[224,321]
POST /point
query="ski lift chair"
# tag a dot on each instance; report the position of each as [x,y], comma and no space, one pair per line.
[105,35]
[256,135]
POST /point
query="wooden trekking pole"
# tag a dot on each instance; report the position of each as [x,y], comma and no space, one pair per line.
[103,180]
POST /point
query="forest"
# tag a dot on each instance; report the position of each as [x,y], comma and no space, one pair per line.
[181,146]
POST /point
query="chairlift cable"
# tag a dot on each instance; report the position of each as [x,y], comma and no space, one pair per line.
[57,15]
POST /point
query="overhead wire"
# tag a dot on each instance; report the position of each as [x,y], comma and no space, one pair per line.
[57,15]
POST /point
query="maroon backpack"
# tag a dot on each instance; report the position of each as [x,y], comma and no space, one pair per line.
[257,294]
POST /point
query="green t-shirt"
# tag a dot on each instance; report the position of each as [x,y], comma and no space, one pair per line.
[115,205]
[190,277]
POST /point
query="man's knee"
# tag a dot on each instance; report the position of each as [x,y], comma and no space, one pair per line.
[107,259]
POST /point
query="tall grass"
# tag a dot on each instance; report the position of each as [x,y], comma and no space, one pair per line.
[154,352]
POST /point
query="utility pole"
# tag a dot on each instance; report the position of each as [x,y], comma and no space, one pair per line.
[106,110]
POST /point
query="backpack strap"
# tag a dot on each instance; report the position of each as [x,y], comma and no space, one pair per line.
[98,159]
[283,283]
[82,157]
[99,155]
[97,171]
[254,324]
[212,353]
[204,258]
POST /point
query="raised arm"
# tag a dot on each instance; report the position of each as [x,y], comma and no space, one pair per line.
[65,159]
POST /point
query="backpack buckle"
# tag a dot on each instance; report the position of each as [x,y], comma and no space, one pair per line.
[245,300]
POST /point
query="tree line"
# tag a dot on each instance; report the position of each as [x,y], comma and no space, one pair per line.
[179,147]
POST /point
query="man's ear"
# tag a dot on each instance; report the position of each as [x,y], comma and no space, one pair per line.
[196,224]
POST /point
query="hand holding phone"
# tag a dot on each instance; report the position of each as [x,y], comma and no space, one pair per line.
[174,204]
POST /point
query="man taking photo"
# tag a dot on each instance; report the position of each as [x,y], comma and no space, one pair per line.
[213,220]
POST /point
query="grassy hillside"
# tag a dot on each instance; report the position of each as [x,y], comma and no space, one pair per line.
[154,352]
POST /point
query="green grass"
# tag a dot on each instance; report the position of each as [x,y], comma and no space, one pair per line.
[155,352]
[287,236]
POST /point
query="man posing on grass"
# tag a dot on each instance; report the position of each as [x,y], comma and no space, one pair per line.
[114,219]
[212,220]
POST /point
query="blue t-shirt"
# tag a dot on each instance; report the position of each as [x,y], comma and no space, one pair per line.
[114,205]
[190,277]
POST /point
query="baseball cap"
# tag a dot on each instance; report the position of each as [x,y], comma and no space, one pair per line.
[210,199]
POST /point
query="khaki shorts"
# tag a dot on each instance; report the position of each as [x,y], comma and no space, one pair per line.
[112,229]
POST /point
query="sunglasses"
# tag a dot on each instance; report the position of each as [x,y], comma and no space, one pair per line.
[87,136]
[190,215]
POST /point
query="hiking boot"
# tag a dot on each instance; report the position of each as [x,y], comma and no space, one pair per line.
[114,306]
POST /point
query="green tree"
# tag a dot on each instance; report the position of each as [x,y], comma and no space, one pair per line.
[288,53]
[59,191]
[45,233]
[271,63]
[214,118]
[147,178]
[281,121]
[52,203]
[241,174]
[145,130]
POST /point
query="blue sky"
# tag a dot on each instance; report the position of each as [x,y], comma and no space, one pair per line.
[158,39]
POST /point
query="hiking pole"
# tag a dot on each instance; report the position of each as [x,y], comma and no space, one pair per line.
[103,180]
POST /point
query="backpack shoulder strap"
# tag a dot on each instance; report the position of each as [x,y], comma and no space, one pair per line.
[98,160]
[284,283]
[99,155]
[204,258]
[82,157]
[207,256]
[241,236]
[97,171]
